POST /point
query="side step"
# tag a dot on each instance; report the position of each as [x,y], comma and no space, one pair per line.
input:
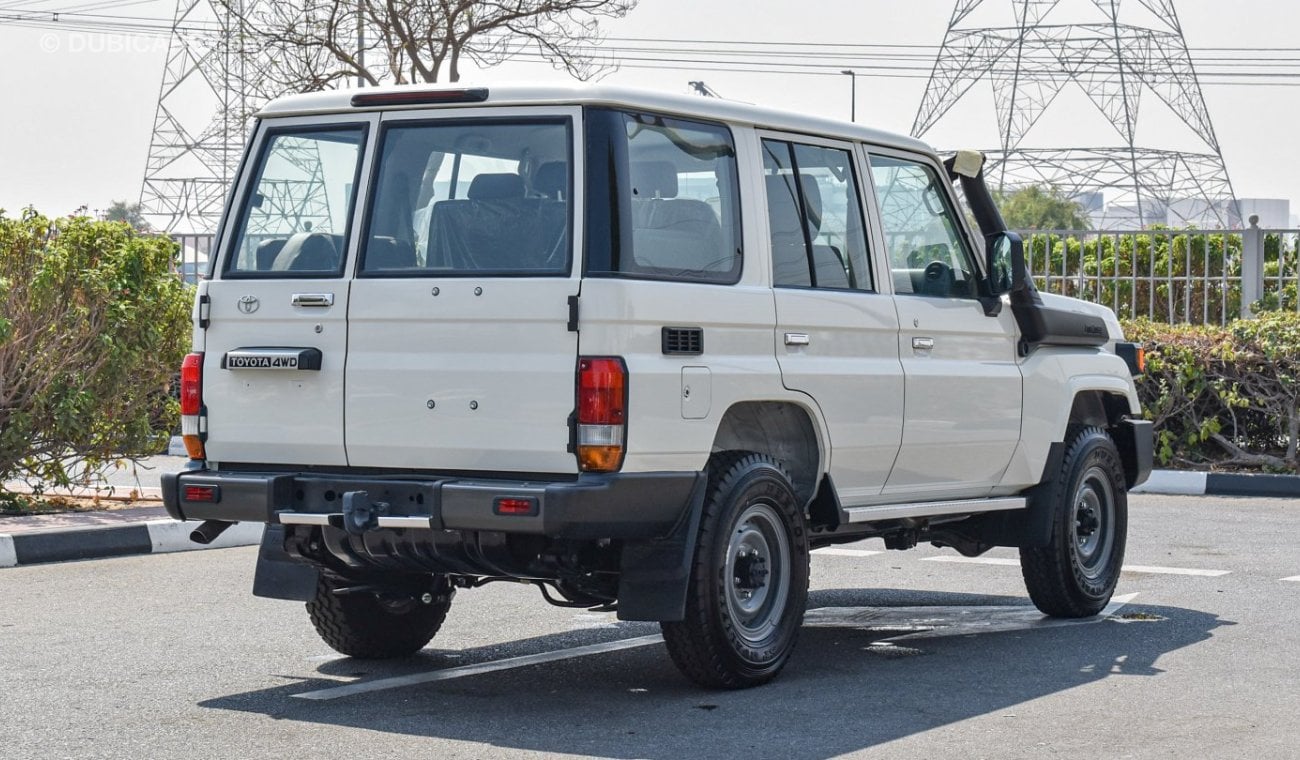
[930,509]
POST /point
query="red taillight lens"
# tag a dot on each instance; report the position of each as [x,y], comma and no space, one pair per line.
[602,391]
[192,405]
[516,506]
[192,384]
[602,413]
[202,493]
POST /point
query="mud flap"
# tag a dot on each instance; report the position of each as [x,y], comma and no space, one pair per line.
[280,576]
[656,573]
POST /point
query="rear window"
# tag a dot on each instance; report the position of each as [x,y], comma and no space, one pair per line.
[471,197]
[663,198]
[294,221]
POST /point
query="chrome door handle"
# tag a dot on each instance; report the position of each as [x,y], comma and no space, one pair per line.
[315,300]
[796,339]
[922,344]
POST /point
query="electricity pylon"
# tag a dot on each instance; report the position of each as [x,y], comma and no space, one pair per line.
[1115,55]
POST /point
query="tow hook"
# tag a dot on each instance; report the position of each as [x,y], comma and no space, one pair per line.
[360,514]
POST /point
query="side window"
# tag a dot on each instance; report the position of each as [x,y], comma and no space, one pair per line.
[294,221]
[818,237]
[927,254]
[663,198]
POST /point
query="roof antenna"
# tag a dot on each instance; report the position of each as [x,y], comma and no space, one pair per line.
[704,89]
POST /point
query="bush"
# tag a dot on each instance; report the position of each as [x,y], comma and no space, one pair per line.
[93,323]
[1226,396]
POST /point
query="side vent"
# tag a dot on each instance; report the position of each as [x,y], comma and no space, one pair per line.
[683,341]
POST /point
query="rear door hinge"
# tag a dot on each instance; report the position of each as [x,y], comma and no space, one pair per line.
[205,311]
[573,313]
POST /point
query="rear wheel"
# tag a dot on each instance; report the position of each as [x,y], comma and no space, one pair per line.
[749,581]
[1075,574]
[376,625]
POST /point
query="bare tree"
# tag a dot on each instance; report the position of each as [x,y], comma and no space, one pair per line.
[315,44]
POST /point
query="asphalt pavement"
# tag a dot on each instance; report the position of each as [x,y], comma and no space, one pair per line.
[905,654]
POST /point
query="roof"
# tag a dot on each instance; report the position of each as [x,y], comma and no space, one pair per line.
[339,101]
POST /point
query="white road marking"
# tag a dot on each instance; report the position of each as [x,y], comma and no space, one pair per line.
[937,622]
[1127,568]
[8,557]
[973,560]
[1294,578]
[1174,570]
[446,674]
[837,551]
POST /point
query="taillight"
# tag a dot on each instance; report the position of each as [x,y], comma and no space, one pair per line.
[192,405]
[602,413]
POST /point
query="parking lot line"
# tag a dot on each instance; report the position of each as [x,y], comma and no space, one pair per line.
[974,560]
[836,551]
[446,674]
[1293,579]
[1127,568]
[1174,570]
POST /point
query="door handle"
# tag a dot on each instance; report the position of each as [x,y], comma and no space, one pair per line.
[922,344]
[796,339]
[313,300]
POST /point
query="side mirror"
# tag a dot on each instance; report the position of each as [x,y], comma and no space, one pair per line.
[1006,263]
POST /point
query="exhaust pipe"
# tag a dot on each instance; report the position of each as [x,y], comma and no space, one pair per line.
[208,531]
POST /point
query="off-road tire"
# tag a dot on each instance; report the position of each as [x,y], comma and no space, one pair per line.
[1075,574]
[366,626]
[752,526]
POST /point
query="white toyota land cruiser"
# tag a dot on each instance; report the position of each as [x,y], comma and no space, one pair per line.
[643,351]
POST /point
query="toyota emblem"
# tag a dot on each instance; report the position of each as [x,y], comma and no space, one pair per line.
[249,304]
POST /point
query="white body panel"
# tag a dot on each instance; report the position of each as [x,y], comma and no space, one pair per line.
[461,381]
[962,414]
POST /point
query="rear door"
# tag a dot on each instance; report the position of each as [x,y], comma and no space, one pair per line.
[275,314]
[460,351]
[836,337]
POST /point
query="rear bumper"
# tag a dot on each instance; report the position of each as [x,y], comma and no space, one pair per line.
[620,506]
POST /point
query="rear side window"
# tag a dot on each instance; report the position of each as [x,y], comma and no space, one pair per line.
[294,221]
[471,197]
[663,199]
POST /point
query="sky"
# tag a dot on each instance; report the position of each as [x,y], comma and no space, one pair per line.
[77,109]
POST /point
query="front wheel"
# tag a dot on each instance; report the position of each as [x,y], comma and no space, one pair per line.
[749,580]
[1075,574]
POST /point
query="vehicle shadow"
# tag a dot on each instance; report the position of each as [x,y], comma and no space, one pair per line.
[843,691]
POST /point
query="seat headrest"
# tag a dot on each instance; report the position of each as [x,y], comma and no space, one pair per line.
[654,179]
[552,178]
[783,208]
[490,187]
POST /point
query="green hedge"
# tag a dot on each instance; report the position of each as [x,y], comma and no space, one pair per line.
[1223,396]
[93,324]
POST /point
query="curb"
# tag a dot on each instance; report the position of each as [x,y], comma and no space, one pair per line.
[151,537]
[1184,483]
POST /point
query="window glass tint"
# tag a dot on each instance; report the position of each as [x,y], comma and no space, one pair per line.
[818,237]
[683,207]
[295,220]
[461,197]
[926,252]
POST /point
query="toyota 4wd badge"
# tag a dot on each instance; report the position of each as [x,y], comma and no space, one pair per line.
[249,304]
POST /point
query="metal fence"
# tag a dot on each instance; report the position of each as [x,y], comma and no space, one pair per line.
[1176,276]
